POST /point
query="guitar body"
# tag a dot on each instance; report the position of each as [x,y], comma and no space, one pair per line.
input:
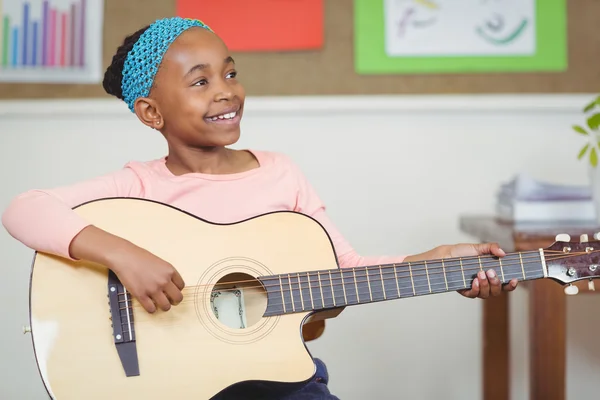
[198,348]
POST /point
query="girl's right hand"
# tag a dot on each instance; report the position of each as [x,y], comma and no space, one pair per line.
[150,279]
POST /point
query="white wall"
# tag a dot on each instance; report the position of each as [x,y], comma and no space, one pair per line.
[396,173]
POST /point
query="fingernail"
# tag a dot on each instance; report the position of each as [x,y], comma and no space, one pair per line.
[481,275]
[514,284]
[491,273]
[476,283]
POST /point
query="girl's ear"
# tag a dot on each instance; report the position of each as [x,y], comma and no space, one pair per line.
[147,112]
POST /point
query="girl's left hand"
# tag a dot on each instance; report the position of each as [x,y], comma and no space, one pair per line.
[486,283]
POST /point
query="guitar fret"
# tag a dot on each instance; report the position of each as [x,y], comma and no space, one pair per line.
[312,303]
[382,283]
[396,280]
[437,277]
[329,301]
[463,272]
[522,267]
[356,286]
[349,277]
[288,301]
[362,283]
[427,274]
[306,304]
[411,279]
[291,292]
[339,288]
[282,298]
[315,290]
[389,282]
[420,279]
[321,289]
[300,287]
[344,288]
[369,284]
[501,270]
[404,281]
[444,273]
[332,291]
[376,287]
[454,275]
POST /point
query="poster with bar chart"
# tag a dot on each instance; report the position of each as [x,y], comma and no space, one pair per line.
[51,41]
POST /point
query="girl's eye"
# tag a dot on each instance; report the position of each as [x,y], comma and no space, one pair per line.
[232,74]
[201,82]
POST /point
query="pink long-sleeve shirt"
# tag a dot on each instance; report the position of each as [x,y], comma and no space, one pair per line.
[44,220]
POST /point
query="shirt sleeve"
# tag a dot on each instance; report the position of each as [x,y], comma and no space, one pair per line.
[309,203]
[44,220]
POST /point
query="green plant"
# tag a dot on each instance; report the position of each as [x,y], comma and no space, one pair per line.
[592,112]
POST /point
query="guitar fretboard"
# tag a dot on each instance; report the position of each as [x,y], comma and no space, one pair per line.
[324,289]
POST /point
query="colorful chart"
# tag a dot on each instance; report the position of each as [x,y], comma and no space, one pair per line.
[51,41]
[459,36]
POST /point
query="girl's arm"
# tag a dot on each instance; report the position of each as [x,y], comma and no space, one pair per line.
[44,220]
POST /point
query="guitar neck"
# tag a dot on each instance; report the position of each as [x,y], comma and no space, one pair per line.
[324,289]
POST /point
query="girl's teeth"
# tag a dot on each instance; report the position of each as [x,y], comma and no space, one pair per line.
[224,116]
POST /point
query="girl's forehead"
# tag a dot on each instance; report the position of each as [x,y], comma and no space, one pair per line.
[196,46]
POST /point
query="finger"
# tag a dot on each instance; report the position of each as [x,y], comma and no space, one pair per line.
[473,292]
[173,293]
[495,284]
[178,280]
[510,286]
[496,250]
[161,301]
[484,285]
[147,303]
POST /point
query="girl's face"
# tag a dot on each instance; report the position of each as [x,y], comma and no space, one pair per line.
[196,99]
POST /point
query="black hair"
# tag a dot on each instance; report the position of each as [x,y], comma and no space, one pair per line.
[114,73]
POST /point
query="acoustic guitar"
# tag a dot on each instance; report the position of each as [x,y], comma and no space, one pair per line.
[250,288]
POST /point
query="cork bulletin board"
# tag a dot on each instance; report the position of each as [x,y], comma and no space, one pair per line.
[330,71]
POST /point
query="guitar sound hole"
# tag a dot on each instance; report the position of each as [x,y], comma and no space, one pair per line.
[238,301]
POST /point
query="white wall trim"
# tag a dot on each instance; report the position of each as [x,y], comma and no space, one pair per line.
[323,104]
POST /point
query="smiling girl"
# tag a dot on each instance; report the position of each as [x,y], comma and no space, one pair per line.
[179,78]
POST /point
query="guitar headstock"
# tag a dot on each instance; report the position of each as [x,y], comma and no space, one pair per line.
[570,261]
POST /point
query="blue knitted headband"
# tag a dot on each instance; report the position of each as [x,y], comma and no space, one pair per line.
[146,55]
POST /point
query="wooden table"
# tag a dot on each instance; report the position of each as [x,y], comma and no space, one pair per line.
[547,309]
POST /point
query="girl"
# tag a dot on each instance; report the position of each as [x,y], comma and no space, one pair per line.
[179,78]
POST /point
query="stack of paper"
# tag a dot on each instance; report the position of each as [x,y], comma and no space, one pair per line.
[526,199]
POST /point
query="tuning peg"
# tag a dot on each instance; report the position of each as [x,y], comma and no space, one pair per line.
[583,238]
[591,286]
[597,235]
[571,290]
[563,237]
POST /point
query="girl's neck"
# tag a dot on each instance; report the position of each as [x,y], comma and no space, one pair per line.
[215,161]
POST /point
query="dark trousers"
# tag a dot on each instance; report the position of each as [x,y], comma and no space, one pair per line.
[315,389]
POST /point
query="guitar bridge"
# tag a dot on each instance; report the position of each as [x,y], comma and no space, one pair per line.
[121,312]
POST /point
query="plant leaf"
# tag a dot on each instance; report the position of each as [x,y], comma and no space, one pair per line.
[593,157]
[579,129]
[583,151]
[594,121]
[593,104]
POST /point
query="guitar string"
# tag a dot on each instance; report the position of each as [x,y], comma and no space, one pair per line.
[417,266]
[330,288]
[361,270]
[169,316]
[260,288]
[302,308]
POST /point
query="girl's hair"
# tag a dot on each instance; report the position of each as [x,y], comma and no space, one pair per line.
[113,76]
